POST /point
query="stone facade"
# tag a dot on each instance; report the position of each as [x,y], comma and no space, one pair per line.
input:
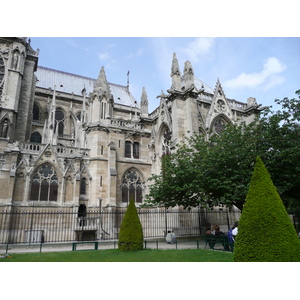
[70,141]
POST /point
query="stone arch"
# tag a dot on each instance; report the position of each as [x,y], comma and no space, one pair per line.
[5,124]
[44,183]
[164,140]
[36,111]
[132,185]
[60,117]
[218,123]
[36,137]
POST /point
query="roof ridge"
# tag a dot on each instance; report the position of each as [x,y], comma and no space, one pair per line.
[63,72]
[80,76]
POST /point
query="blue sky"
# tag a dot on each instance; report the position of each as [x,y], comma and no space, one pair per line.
[264,67]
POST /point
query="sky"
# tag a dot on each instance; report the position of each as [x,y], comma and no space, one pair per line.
[266,68]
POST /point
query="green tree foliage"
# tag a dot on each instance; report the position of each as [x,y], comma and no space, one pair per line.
[265,231]
[207,173]
[218,171]
[131,231]
[278,146]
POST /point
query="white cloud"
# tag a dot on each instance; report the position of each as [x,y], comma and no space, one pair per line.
[140,51]
[266,78]
[104,56]
[199,47]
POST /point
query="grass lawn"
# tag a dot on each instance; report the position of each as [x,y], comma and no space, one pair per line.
[114,255]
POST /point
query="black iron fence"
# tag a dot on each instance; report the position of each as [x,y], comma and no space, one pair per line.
[32,225]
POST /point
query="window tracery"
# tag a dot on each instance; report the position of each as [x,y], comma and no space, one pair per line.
[59,122]
[131,187]
[166,142]
[219,125]
[44,184]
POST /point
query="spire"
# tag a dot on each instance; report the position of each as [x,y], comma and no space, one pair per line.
[188,75]
[101,84]
[175,74]
[144,103]
[218,89]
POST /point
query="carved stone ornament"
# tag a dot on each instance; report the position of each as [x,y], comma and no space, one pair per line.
[221,105]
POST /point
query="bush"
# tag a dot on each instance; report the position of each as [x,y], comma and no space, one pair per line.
[265,231]
[131,231]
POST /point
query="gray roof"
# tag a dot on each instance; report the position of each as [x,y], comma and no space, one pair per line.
[72,83]
[201,85]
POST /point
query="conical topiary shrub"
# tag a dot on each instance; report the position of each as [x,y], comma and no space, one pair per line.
[265,231]
[131,231]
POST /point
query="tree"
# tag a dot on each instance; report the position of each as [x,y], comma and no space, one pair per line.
[207,173]
[265,231]
[279,146]
[218,171]
[131,231]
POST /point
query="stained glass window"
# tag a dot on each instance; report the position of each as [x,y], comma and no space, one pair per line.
[44,184]
[132,186]
[219,125]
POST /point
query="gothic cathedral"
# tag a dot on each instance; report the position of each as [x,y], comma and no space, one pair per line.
[70,141]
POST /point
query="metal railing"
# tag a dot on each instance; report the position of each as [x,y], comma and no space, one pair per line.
[32,225]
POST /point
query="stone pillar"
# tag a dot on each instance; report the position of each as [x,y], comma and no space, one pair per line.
[25,102]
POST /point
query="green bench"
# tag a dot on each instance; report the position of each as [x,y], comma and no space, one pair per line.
[212,240]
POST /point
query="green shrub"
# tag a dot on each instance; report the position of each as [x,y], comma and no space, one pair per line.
[265,231]
[131,231]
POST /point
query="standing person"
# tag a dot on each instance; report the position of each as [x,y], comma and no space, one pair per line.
[169,237]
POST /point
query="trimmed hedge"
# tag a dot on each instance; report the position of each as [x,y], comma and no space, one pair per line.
[131,231]
[265,232]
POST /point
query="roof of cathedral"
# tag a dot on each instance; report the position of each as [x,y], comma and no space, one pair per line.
[201,85]
[71,83]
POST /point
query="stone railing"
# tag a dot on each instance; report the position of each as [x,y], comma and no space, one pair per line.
[126,124]
[59,150]
[237,105]
[38,122]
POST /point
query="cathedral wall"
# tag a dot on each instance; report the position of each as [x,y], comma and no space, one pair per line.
[178,117]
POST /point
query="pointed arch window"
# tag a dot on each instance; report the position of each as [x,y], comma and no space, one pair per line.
[44,184]
[128,149]
[59,122]
[4,127]
[132,150]
[83,186]
[35,112]
[132,187]
[36,138]
[136,150]
[166,142]
[219,125]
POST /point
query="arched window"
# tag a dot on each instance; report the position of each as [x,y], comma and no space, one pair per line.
[44,184]
[4,127]
[132,187]
[83,186]
[36,138]
[136,150]
[166,142]
[36,112]
[132,150]
[59,122]
[128,149]
[219,125]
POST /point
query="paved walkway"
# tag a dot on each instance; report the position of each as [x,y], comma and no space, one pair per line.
[100,245]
